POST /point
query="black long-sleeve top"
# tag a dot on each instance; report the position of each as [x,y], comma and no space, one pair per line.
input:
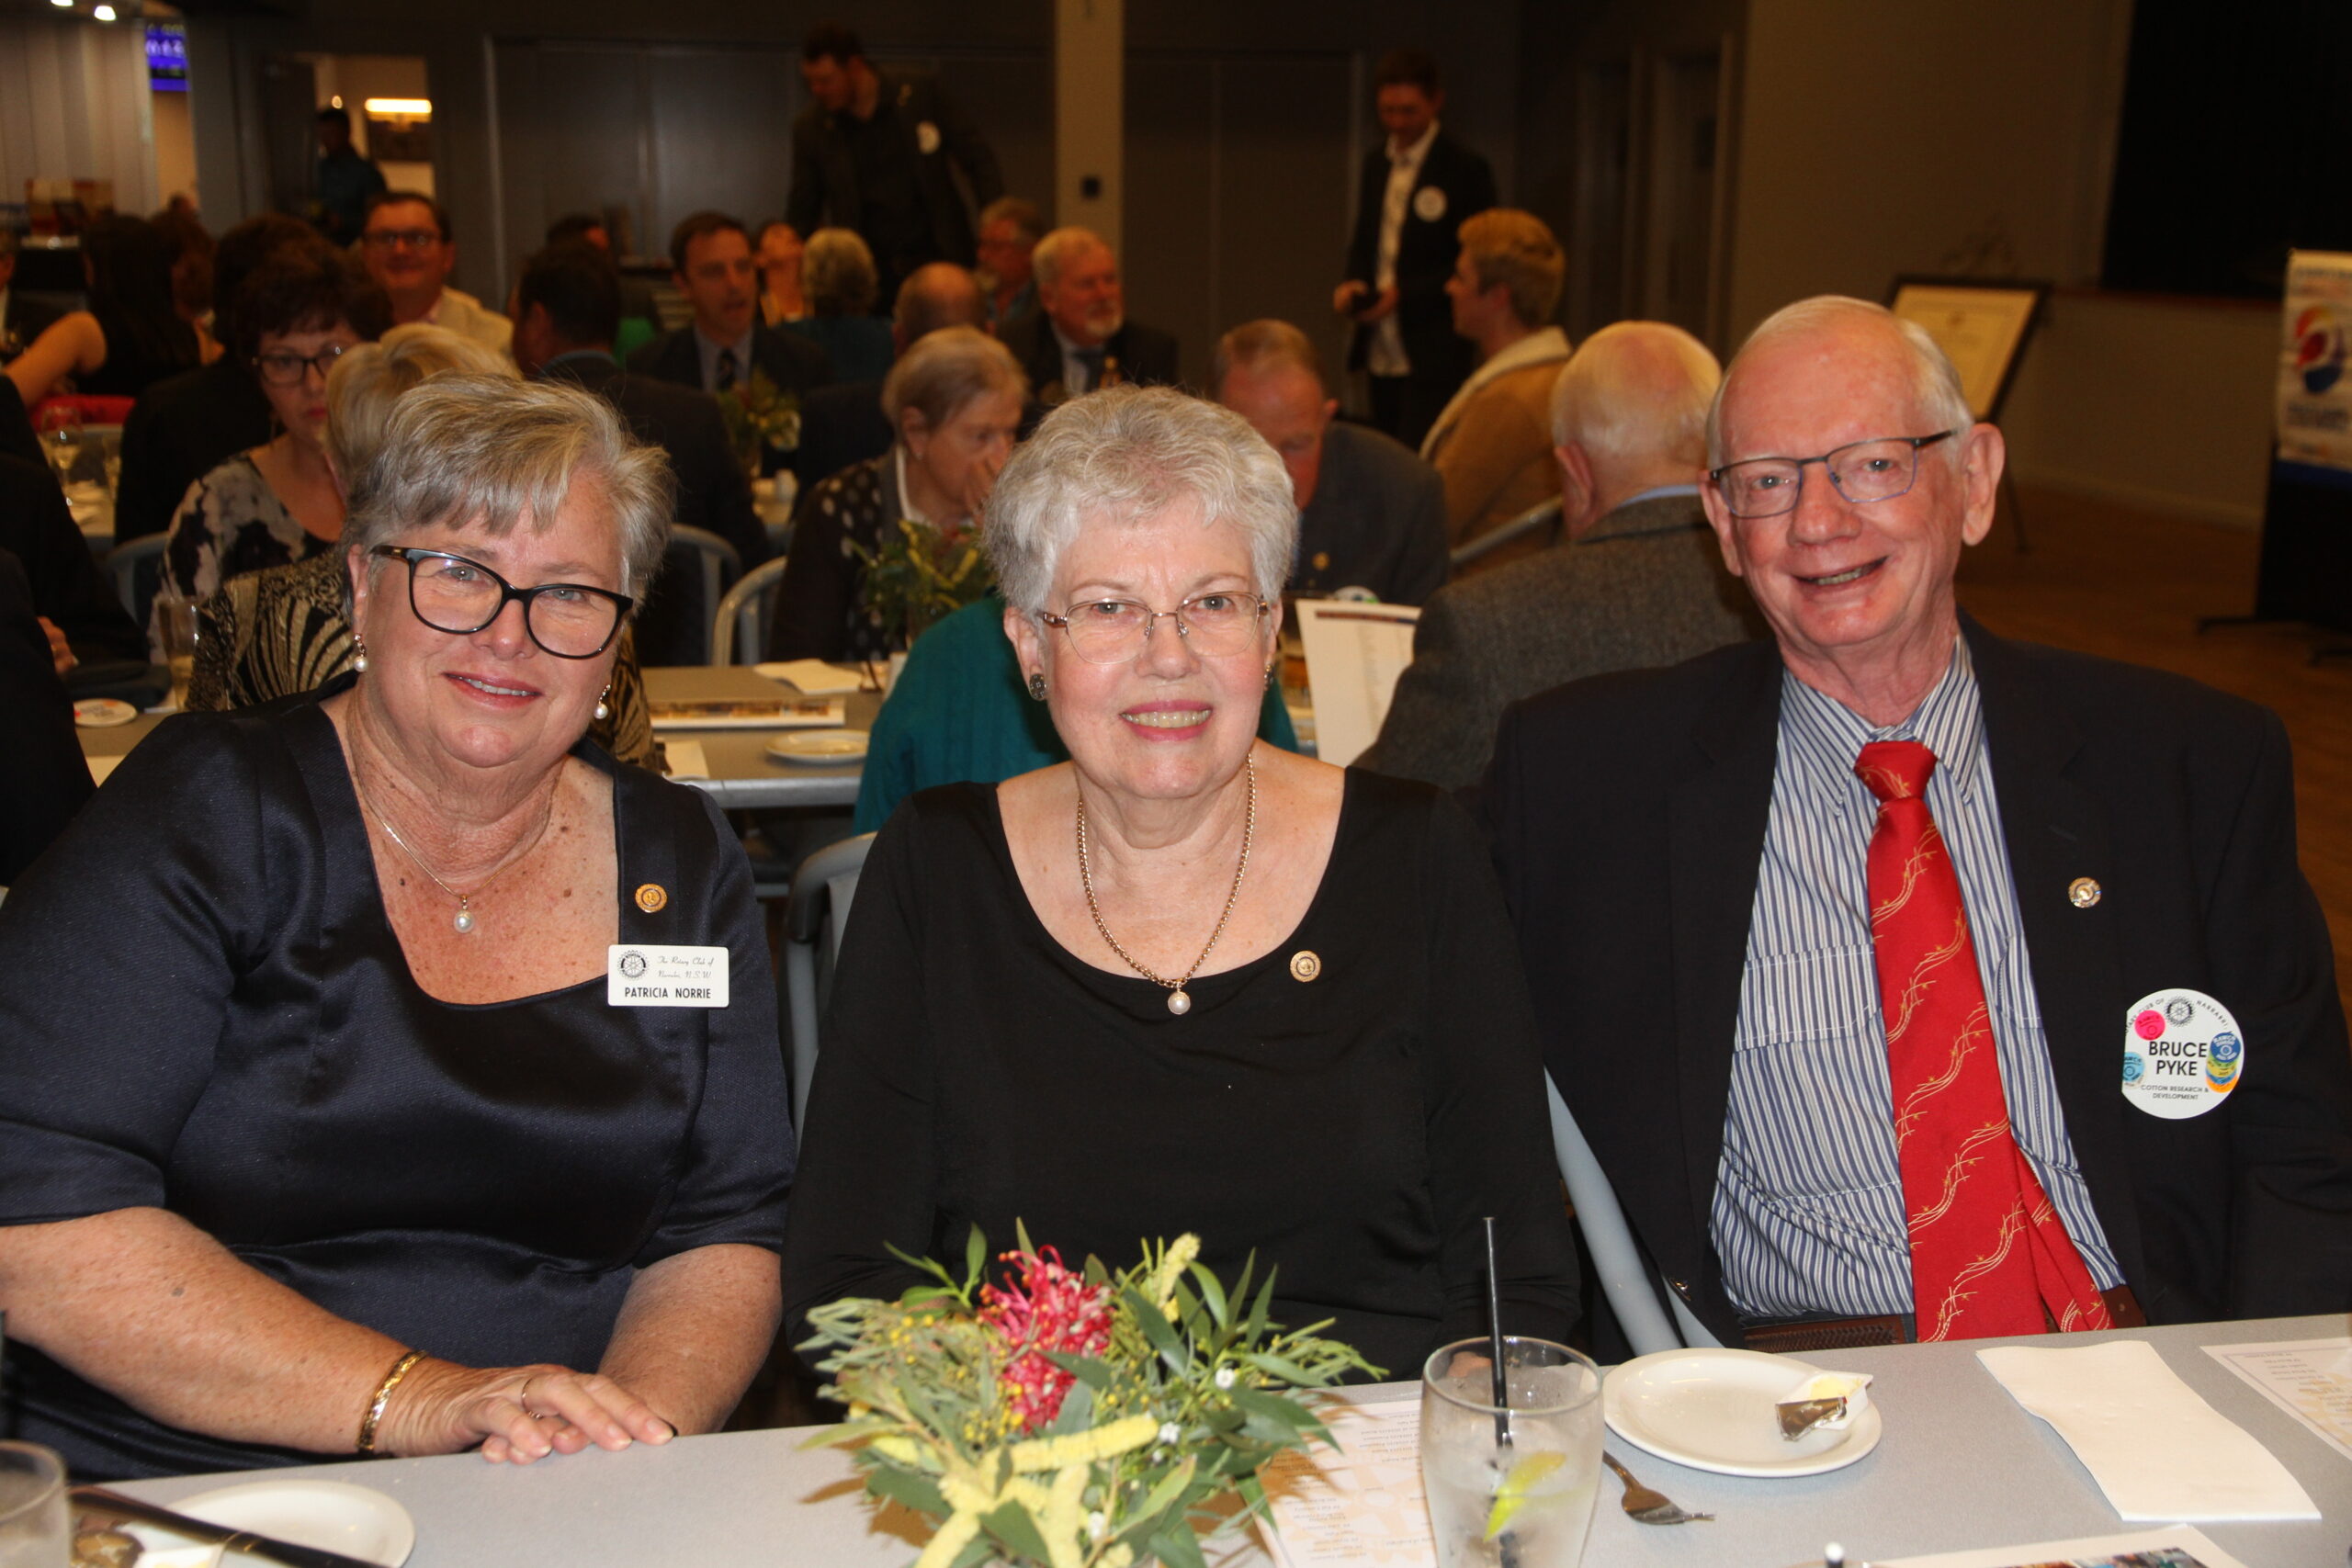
[1352,1128]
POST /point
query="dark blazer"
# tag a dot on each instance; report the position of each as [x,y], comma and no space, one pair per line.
[824,173]
[25,318]
[180,430]
[840,425]
[713,492]
[37,527]
[1628,813]
[1426,252]
[1646,587]
[46,780]
[793,364]
[1145,355]
[1378,521]
[17,439]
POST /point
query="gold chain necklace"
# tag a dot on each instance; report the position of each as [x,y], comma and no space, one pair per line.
[465,917]
[1179,1002]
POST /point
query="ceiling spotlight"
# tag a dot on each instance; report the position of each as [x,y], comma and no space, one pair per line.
[401,109]
[63,4]
[103,13]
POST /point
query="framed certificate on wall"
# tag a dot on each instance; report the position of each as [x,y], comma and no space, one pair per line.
[1981,324]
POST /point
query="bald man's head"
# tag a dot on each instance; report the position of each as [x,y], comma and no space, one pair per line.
[1629,413]
[938,295]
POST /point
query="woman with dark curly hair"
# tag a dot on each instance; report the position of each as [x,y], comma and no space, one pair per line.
[280,502]
[132,334]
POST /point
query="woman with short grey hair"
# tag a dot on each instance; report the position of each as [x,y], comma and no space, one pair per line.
[459,1122]
[1184,981]
[955,400]
[838,281]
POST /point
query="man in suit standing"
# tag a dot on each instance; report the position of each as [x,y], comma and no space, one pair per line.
[22,320]
[710,261]
[844,423]
[410,253]
[567,310]
[1419,186]
[874,154]
[1370,514]
[1637,582]
[1079,338]
[1908,981]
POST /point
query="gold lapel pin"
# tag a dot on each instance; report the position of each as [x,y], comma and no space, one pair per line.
[651,896]
[2083,892]
[1305,965]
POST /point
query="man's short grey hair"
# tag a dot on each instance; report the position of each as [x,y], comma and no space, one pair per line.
[1262,345]
[1935,384]
[942,372]
[1636,389]
[368,381]
[837,273]
[489,451]
[1060,248]
[1128,455]
[936,295]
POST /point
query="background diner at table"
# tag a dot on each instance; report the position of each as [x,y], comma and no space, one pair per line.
[353,1152]
[1184,981]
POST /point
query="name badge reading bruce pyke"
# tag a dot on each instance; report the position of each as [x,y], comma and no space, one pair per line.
[638,975]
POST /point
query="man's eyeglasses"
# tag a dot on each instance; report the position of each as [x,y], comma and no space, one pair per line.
[1112,631]
[400,238]
[453,594]
[283,367]
[1863,471]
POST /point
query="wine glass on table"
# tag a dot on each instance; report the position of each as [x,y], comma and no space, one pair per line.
[60,438]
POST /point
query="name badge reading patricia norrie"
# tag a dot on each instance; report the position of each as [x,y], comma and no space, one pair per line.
[2182,1053]
[638,975]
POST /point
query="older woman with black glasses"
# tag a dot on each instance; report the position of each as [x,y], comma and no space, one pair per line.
[386,1068]
[280,502]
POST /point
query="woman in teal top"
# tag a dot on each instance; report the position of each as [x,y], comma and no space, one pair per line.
[957,713]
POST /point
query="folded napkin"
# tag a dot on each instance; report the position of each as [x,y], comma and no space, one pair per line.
[685,759]
[2155,1449]
[813,676]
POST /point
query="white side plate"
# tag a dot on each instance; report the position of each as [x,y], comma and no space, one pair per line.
[823,745]
[354,1520]
[1713,1410]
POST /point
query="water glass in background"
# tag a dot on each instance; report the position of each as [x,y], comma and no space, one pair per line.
[1527,1505]
[60,439]
[175,623]
[34,1529]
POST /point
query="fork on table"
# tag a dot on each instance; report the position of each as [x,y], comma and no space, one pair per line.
[1646,1506]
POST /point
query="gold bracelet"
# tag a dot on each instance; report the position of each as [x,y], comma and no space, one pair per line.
[383,1397]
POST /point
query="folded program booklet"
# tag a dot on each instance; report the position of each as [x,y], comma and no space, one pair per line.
[749,713]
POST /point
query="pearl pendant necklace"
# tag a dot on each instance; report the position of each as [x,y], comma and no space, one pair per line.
[464,921]
[1179,1001]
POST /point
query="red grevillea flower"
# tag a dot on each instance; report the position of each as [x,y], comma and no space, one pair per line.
[1046,1308]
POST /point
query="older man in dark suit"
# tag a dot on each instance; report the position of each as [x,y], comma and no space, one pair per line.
[1908,981]
[1637,579]
[710,261]
[567,308]
[1079,338]
[1419,186]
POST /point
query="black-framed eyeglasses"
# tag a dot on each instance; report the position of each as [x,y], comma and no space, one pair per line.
[284,368]
[1112,631]
[450,594]
[402,238]
[1863,471]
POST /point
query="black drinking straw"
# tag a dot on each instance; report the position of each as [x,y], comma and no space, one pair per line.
[1495,1335]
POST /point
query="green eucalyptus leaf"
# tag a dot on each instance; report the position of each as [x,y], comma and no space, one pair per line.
[1092,1371]
[1281,1367]
[1177,1547]
[917,1491]
[1171,1486]
[976,1253]
[1011,1525]
[1212,1293]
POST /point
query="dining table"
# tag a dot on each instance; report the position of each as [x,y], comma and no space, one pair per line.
[1961,1466]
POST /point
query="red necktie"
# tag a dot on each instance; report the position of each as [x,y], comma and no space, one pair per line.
[1988,1253]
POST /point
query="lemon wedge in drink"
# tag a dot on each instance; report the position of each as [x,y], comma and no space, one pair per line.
[1512,1494]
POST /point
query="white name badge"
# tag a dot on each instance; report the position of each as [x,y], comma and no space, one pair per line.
[2182,1053]
[1428,204]
[641,974]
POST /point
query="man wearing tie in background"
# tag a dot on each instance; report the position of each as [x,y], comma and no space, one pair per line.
[1079,338]
[1852,951]
[710,260]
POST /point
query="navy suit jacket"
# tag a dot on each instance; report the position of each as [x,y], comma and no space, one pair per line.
[793,363]
[1628,813]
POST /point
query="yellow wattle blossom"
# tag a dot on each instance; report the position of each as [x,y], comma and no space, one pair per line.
[1060,1521]
[1172,1264]
[1084,1448]
[949,1539]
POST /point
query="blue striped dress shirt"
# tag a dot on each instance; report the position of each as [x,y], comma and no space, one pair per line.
[1808,1211]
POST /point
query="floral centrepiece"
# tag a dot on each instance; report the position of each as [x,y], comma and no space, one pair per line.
[1069,1419]
[918,572]
[761,417]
